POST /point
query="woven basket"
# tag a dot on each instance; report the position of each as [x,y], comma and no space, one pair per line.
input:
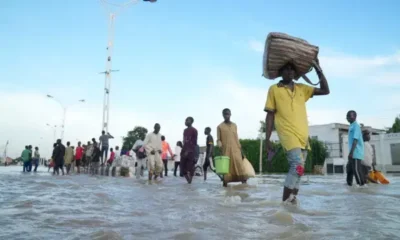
[281,48]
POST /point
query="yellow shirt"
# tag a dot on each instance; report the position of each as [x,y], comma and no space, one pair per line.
[291,121]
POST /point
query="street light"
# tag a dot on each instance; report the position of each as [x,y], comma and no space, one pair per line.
[54,131]
[64,112]
[117,8]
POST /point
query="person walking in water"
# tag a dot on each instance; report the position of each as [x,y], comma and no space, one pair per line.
[153,146]
[69,155]
[209,151]
[356,150]
[36,157]
[25,158]
[228,141]
[188,153]
[164,155]
[78,157]
[95,159]
[59,155]
[53,159]
[286,110]
[177,157]
[104,145]
[139,150]
[30,158]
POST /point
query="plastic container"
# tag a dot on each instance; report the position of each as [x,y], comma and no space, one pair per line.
[222,164]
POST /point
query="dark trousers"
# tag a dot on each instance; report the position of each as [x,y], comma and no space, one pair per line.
[26,166]
[104,149]
[29,167]
[354,169]
[36,163]
[165,161]
[176,167]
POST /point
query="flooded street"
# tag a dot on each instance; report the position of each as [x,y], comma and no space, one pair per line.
[40,206]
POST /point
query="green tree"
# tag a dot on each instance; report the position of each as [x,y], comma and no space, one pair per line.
[132,136]
[395,127]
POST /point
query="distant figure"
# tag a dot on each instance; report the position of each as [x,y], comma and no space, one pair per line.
[112,157]
[368,163]
[25,158]
[30,158]
[95,162]
[104,145]
[188,154]
[177,157]
[356,150]
[78,156]
[139,150]
[59,157]
[209,151]
[153,146]
[52,163]
[36,157]
[228,141]
[69,155]
[164,156]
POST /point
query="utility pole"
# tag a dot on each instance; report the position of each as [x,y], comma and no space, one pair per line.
[116,9]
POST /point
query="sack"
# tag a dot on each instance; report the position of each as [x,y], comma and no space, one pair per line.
[281,49]
[141,153]
[248,168]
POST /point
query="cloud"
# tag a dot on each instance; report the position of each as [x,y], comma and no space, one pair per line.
[26,113]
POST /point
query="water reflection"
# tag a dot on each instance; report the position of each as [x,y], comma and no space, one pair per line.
[40,206]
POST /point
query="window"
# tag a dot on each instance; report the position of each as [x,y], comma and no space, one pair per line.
[395,152]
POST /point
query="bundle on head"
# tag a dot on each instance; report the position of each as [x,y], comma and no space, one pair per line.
[281,49]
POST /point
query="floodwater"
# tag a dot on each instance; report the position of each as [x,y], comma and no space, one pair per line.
[40,206]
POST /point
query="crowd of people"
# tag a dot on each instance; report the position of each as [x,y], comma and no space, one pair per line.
[286,113]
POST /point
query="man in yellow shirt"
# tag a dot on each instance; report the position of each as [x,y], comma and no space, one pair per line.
[286,109]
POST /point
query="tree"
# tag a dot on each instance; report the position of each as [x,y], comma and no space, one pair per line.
[395,127]
[132,136]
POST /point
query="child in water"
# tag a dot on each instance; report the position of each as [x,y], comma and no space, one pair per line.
[368,161]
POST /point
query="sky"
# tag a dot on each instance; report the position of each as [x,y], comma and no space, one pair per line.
[180,58]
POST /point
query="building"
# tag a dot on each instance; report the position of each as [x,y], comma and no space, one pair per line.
[332,135]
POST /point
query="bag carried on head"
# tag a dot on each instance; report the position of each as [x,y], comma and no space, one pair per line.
[281,49]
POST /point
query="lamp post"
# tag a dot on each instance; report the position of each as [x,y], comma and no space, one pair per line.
[261,135]
[54,131]
[116,9]
[64,112]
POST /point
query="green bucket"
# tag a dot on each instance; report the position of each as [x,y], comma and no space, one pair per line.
[222,164]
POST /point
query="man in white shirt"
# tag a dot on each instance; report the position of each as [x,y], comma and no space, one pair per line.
[153,147]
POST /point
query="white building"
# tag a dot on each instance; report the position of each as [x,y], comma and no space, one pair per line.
[332,135]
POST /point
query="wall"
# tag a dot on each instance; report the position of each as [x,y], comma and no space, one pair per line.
[386,156]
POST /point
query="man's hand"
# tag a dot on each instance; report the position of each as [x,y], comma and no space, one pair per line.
[268,146]
[350,156]
[316,65]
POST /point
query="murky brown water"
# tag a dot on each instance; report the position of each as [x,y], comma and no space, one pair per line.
[40,206]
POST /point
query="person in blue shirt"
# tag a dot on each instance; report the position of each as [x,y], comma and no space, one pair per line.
[356,150]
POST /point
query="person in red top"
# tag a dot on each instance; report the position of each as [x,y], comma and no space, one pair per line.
[112,157]
[164,155]
[78,156]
